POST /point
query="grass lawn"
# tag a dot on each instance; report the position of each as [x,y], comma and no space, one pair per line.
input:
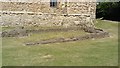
[98,52]
[0,49]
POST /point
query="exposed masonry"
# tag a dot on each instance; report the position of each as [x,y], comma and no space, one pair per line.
[93,34]
[79,38]
[21,32]
[40,13]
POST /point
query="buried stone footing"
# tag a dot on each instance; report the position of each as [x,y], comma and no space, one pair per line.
[93,33]
[59,40]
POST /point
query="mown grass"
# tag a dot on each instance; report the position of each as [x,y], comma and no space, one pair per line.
[95,52]
[0,49]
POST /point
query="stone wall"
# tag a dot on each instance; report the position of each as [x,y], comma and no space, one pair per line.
[23,19]
[41,14]
[82,8]
[43,7]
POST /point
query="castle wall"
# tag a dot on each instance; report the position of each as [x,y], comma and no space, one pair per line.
[27,19]
[43,7]
[41,14]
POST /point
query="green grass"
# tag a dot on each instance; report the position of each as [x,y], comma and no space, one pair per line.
[0,49]
[98,52]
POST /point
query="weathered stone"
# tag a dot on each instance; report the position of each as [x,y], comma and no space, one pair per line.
[41,14]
